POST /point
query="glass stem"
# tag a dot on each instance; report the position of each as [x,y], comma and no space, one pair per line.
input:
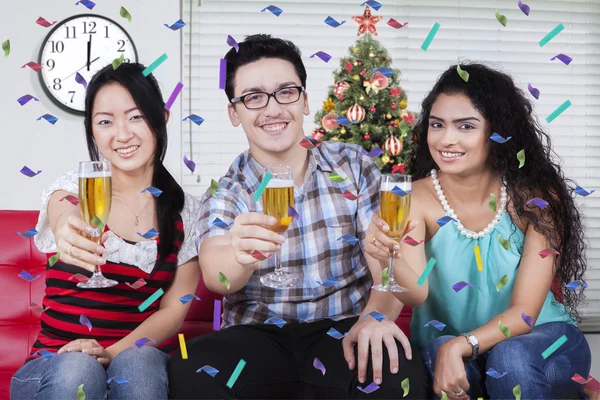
[97,270]
[277,257]
[391,266]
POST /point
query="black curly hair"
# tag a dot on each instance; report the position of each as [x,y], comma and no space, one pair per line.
[509,113]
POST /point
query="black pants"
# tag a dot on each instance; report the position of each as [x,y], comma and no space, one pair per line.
[279,365]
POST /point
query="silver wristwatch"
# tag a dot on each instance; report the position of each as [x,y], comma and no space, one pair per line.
[472,340]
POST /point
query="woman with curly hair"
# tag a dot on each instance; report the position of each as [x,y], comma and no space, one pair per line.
[494,315]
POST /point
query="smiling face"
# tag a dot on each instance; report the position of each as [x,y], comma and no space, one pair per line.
[122,135]
[457,135]
[276,128]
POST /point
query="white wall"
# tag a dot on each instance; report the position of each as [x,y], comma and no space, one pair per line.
[58,148]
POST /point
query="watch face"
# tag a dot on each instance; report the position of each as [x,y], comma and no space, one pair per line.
[82,45]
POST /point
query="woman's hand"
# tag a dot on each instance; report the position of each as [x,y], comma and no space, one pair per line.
[77,249]
[378,244]
[450,375]
[90,347]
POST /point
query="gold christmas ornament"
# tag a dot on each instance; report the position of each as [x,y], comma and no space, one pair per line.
[385,159]
[371,55]
[356,50]
[403,104]
[388,116]
[356,77]
[335,139]
[342,131]
[355,63]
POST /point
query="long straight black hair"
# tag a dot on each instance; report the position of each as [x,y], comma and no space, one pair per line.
[148,98]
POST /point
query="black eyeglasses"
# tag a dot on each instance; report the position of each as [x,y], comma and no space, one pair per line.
[257,100]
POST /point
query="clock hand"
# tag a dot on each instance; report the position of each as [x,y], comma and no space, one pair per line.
[89,50]
[91,62]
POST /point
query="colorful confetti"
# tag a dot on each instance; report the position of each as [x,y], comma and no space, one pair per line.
[444,395]
[49,117]
[504,242]
[25,99]
[477,252]
[214,187]
[217,315]
[233,43]
[558,29]
[150,234]
[155,64]
[117,380]
[274,9]
[30,232]
[81,80]
[153,297]
[33,65]
[492,202]
[218,222]
[54,259]
[195,119]
[78,278]
[368,389]
[189,164]
[336,178]
[562,108]
[97,222]
[327,284]
[527,319]
[260,256]
[385,71]
[71,199]
[309,143]
[89,4]
[501,283]
[143,341]
[462,73]
[575,284]
[280,322]
[322,55]
[405,387]
[351,196]
[426,271]
[395,24]
[223,279]
[461,285]
[319,365]
[222,73]
[212,371]
[44,353]
[182,346]
[504,329]
[236,373]
[83,320]
[412,242]
[521,158]
[562,57]
[80,393]
[534,92]
[333,23]
[373,3]
[137,284]
[385,277]
[546,252]
[495,374]
[188,297]
[538,202]
[43,22]
[348,238]
[496,137]
[116,63]
[399,192]
[343,121]
[125,14]
[176,25]
[6,48]
[173,96]
[436,324]
[293,213]
[430,36]
[375,152]
[28,172]
[263,185]
[501,18]
[554,346]
[524,7]
[334,333]
[582,192]
[580,379]
[153,191]
[27,276]
[376,315]
[444,220]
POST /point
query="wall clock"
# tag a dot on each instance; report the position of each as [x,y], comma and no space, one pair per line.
[81,44]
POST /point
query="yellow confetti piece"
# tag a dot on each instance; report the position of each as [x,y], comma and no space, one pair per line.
[478,258]
[504,329]
[501,283]
[182,346]
[406,387]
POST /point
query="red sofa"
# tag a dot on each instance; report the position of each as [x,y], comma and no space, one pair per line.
[19,325]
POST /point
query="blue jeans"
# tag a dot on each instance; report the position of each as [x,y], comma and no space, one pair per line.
[521,357]
[59,376]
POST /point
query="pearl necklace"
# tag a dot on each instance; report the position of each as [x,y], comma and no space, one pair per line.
[465,232]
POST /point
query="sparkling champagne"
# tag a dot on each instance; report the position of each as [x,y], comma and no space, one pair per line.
[395,210]
[95,197]
[277,197]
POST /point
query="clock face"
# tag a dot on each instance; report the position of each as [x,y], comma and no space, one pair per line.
[65,53]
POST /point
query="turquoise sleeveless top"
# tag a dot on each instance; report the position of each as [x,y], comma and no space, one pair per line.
[470,308]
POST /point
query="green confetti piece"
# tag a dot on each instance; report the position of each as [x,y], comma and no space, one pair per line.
[336,178]
[80,393]
[118,61]
[517,392]
[97,223]
[504,329]
[6,47]
[558,111]
[559,28]
[236,373]
[521,158]
[504,242]
[385,277]
[492,203]
[501,18]
[214,185]
[463,74]
[153,297]
[125,14]
[223,279]
[155,64]
[263,186]
[426,272]
[501,283]
[444,395]
[554,346]
[405,387]
[54,259]
[434,30]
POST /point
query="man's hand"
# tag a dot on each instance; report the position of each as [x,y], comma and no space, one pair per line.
[90,347]
[368,332]
[250,231]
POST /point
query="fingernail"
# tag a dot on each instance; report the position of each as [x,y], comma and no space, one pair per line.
[378,381]
[349,365]
[361,379]
[88,229]
[101,260]
[409,357]
[396,247]
[385,228]
[281,239]
[100,250]
[395,370]
[278,247]
[272,220]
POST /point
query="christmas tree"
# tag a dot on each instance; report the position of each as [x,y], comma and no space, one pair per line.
[366,105]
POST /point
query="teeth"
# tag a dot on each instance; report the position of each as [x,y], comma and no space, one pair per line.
[274,128]
[127,150]
[452,155]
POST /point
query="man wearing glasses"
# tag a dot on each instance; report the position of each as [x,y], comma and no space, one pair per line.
[292,339]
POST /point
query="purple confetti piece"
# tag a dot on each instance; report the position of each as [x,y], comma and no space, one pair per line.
[527,319]
[377,315]
[322,55]
[274,9]
[575,284]
[293,213]
[444,220]
[150,234]
[375,4]
[173,96]
[334,333]
[233,43]
[44,353]
[280,322]
[117,380]
[154,191]
[222,73]
[461,285]
[217,316]
[142,341]
[25,99]
[495,374]
[534,92]
[187,298]
[524,7]
[218,222]
[348,238]
[27,276]
[328,283]
[26,171]
[436,324]
[400,193]
[343,121]
[333,23]
[562,57]
[189,163]
[176,25]
[375,152]
[195,119]
[499,139]
[582,192]
[369,389]
[319,365]
[30,232]
[49,117]
[81,80]
[83,320]
[209,370]
[538,202]
[89,4]
[385,71]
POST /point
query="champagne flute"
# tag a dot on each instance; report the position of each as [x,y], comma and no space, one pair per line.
[394,210]
[95,194]
[277,198]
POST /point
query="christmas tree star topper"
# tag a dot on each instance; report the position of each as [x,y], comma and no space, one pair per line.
[367,22]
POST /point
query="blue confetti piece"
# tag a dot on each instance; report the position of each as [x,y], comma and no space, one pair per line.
[142,341]
[582,192]
[333,23]
[117,380]
[328,283]
[198,120]
[374,153]
[49,117]
[334,333]
[575,284]
[499,139]
[89,4]
[25,99]
[436,324]
[375,4]
[27,276]
[495,374]
[538,202]
[343,121]
[150,234]
[209,370]
[28,172]
[562,57]
[322,55]
[461,285]
[44,353]
[348,238]
[187,298]
[385,71]
[31,232]
[154,191]
[218,222]
[176,25]
[280,322]
[400,193]
[444,220]
[377,315]
[274,9]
